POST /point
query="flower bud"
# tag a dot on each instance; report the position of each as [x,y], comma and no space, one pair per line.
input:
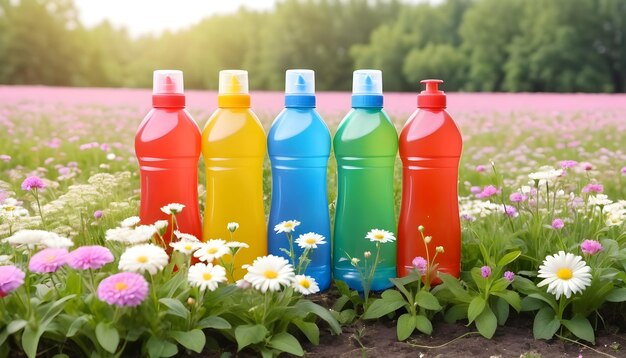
[439,249]
[427,239]
[191,301]
[232,227]
[367,254]
[355,261]
[420,228]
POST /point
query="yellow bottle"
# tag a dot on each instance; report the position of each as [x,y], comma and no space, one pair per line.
[233,147]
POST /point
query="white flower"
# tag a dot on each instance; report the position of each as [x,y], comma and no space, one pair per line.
[355,261]
[183,236]
[367,254]
[143,258]
[232,227]
[439,249]
[173,208]
[286,226]
[161,225]
[29,237]
[237,244]
[5,259]
[546,173]
[306,285]
[599,199]
[119,234]
[211,250]
[111,156]
[141,234]
[186,247]
[11,209]
[269,273]
[310,240]
[206,276]
[564,274]
[130,222]
[382,236]
[57,242]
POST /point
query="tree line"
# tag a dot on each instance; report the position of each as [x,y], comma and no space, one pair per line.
[474,45]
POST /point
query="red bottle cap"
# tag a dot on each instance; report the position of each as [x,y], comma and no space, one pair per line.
[432,97]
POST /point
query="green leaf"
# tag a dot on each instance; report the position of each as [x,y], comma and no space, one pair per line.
[502,310]
[486,323]
[476,307]
[175,307]
[581,328]
[499,285]
[400,283]
[405,326]
[158,347]
[452,284]
[508,258]
[15,326]
[193,340]
[456,313]
[107,336]
[547,298]
[532,304]
[285,342]
[322,313]
[76,325]
[512,298]
[546,324]
[310,330]
[382,307]
[423,324]
[214,322]
[426,300]
[617,295]
[340,303]
[478,278]
[249,334]
[30,341]
[347,316]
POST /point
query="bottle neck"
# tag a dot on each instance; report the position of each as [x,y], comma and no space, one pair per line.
[233,101]
[168,100]
[367,101]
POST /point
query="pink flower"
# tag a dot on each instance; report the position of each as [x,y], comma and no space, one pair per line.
[510,211]
[89,257]
[488,191]
[593,188]
[566,164]
[420,265]
[591,247]
[557,224]
[480,168]
[485,271]
[33,182]
[48,260]
[10,279]
[509,276]
[125,289]
[475,190]
[5,158]
[586,165]
[98,214]
[623,171]
[517,197]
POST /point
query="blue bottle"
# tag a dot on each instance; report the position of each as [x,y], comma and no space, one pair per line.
[299,148]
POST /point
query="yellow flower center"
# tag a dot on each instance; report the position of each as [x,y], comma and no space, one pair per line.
[288,225]
[379,236]
[564,273]
[142,259]
[188,247]
[310,241]
[206,276]
[271,274]
[9,208]
[121,286]
[305,283]
[211,250]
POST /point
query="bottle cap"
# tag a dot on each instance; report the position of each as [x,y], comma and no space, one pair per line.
[168,82]
[367,88]
[233,89]
[300,88]
[432,97]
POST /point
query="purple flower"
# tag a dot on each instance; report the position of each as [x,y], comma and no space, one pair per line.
[485,271]
[468,217]
[623,171]
[10,279]
[509,276]
[488,191]
[98,214]
[475,190]
[480,168]
[48,260]
[517,197]
[557,224]
[89,257]
[510,211]
[591,247]
[125,289]
[420,265]
[566,164]
[33,182]
[593,188]
[586,165]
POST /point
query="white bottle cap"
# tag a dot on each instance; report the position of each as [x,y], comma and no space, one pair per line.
[366,82]
[168,82]
[233,82]
[300,82]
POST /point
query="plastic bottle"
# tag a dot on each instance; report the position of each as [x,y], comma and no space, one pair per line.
[430,148]
[233,148]
[167,145]
[365,145]
[299,148]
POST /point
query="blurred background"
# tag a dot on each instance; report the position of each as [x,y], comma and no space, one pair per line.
[475,45]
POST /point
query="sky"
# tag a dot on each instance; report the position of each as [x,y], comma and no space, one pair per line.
[142,17]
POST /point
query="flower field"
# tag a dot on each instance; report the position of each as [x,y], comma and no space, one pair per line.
[542,196]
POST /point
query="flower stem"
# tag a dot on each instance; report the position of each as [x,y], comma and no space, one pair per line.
[36,194]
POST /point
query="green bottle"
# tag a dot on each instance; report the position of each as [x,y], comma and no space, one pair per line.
[365,146]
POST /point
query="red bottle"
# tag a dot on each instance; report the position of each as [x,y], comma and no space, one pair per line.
[167,146]
[430,148]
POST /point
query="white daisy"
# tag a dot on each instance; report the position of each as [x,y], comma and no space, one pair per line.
[183,236]
[130,222]
[141,234]
[29,237]
[143,258]
[5,259]
[206,276]
[310,240]
[211,250]
[119,234]
[382,236]
[286,226]
[186,246]
[269,273]
[173,208]
[306,285]
[57,242]
[232,227]
[564,274]
[237,244]
[161,225]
